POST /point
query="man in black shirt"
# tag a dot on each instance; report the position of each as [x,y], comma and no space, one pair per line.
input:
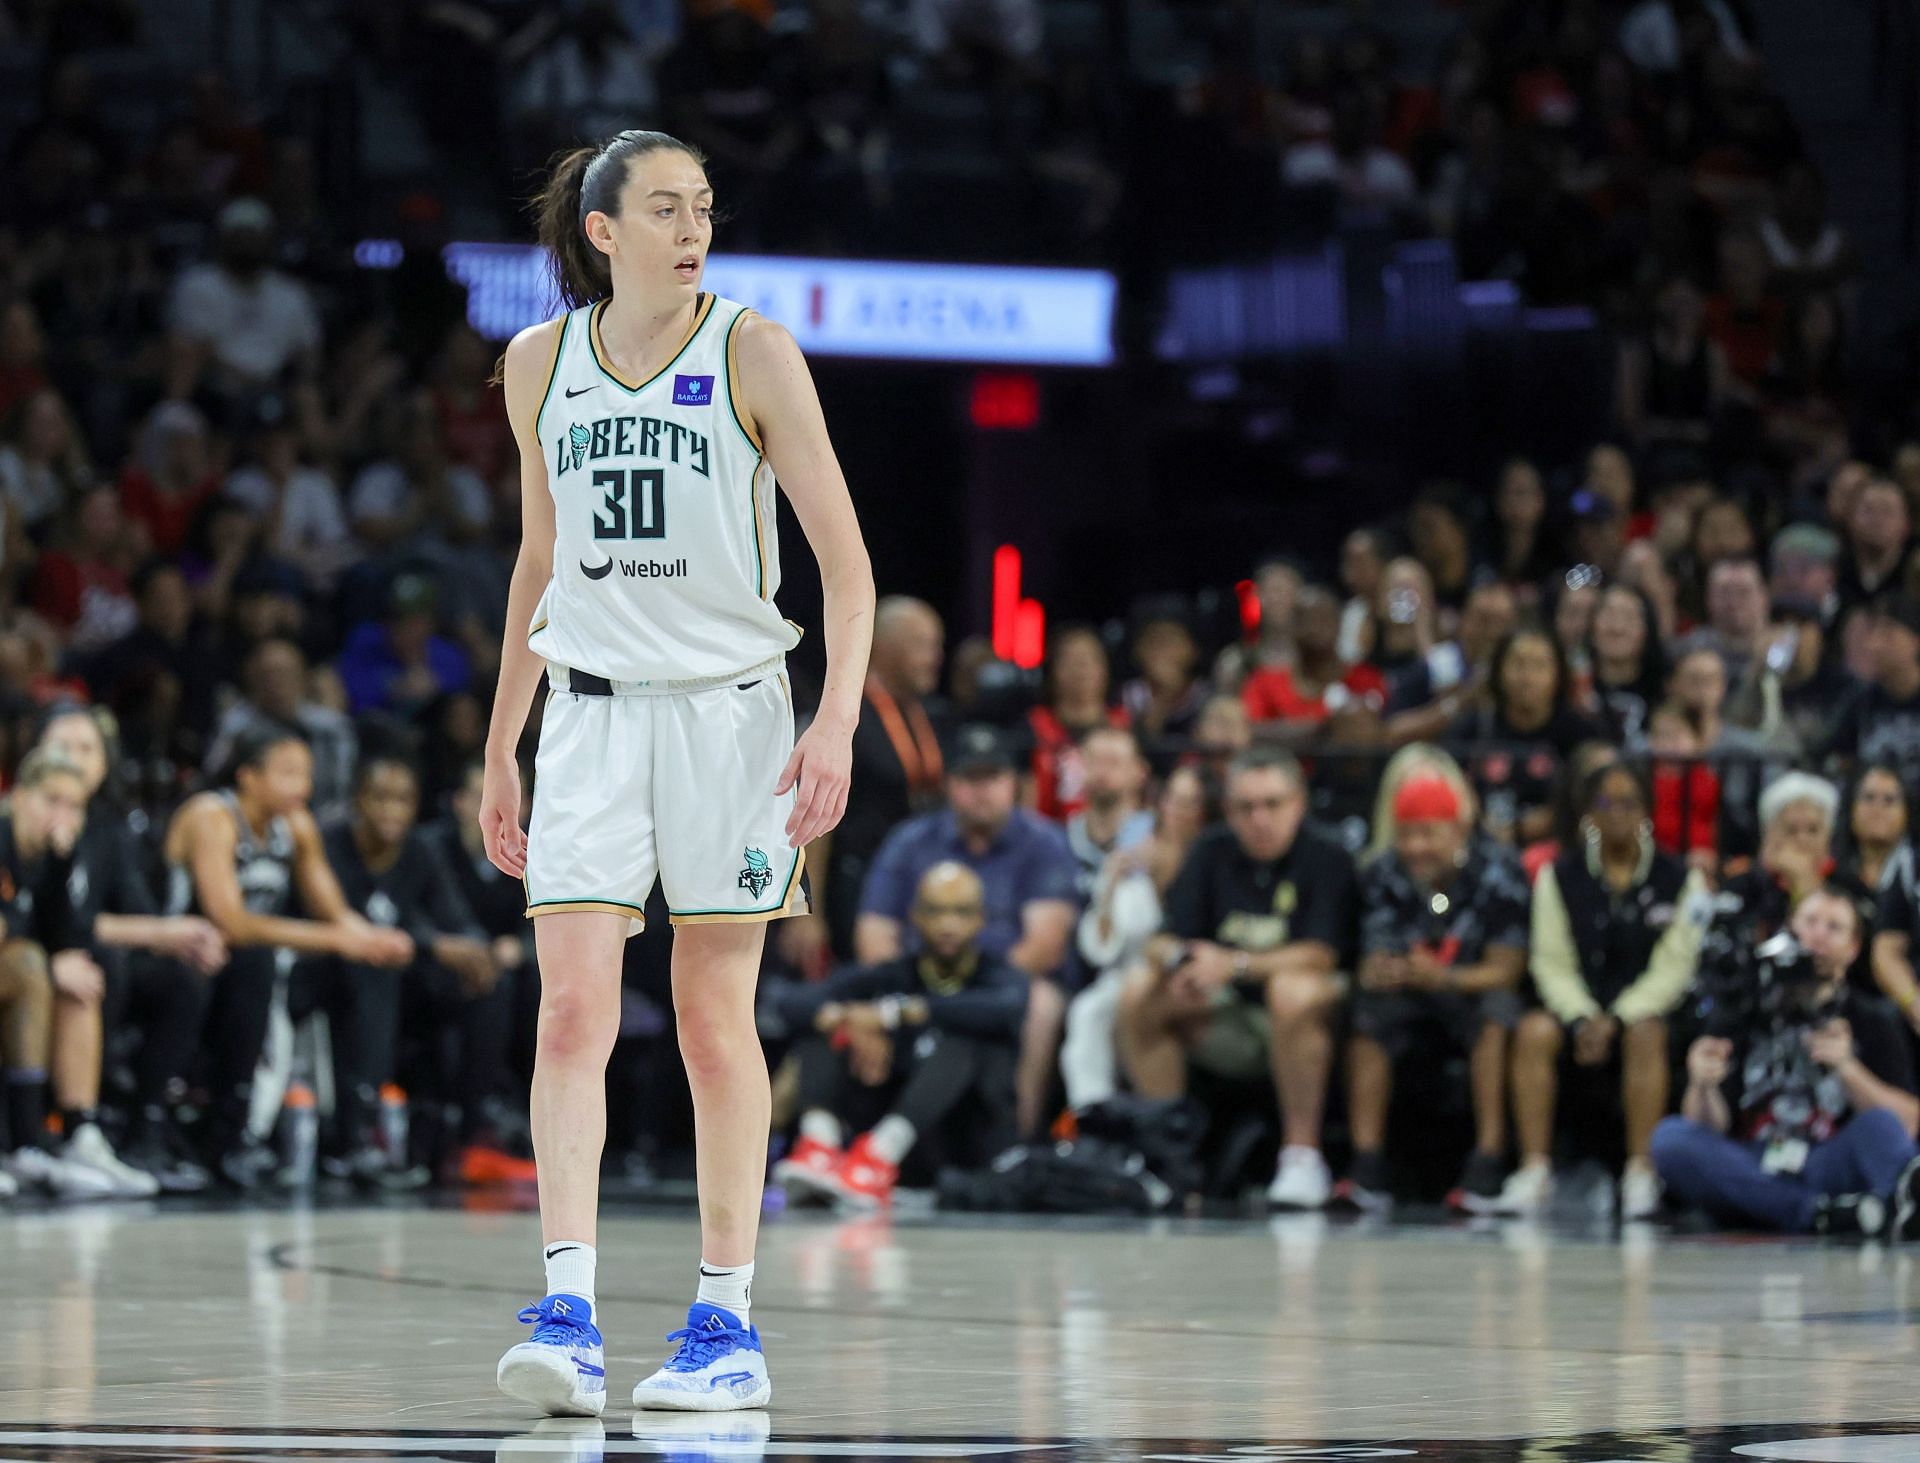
[1800,1111]
[1880,721]
[1244,979]
[928,1039]
[1443,943]
[392,873]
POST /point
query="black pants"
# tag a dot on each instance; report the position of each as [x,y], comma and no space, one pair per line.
[162,1004]
[957,1091]
[239,1005]
[418,1027]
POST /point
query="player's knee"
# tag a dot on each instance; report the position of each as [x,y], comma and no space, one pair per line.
[713,1040]
[573,1027]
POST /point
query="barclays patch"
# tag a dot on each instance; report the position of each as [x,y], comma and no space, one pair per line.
[693,391]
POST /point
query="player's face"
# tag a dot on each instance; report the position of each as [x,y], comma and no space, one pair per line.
[284,782]
[388,802]
[54,810]
[665,227]
[79,739]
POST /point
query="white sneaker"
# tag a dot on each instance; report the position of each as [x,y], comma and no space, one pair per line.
[35,1168]
[1527,1191]
[88,1148]
[1640,1192]
[718,1368]
[704,1435]
[1302,1182]
[562,1368]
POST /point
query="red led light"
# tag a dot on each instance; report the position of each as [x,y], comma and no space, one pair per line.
[1006,401]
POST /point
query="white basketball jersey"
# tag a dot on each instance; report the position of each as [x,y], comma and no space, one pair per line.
[665,561]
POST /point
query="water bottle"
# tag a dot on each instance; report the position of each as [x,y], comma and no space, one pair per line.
[393,1123]
[299,1137]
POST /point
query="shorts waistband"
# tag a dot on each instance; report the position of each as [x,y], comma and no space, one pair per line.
[585,683]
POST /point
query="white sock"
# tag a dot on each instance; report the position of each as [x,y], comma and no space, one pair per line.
[570,1269]
[821,1126]
[891,1137]
[728,1286]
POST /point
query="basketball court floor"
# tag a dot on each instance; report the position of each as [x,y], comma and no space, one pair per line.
[350,1334]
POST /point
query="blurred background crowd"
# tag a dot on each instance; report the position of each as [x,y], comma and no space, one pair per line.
[1448,577]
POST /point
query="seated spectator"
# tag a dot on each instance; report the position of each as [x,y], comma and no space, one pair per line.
[1244,980]
[1163,702]
[1521,740]
[1113,816]
[296,502]
[1808,251]
[1671,381]
[1419,666]
[1277,584]
[81,584]
[1221,734]
[161,674]
[1491,613]
[1518,550]
[1073,702]
[1797,816]
[1363,564]
[916,1048]
[1628,663]
[170,477]
[898,771]
[1880,721]
[153,972]
[238,857]
[1031,882]
[449,999]
[1737,625]
[1685,789]
[42,965]
[1123,912]
[1615,934]
[1744,319]
[1800,1110]
[1878,528]
[1417,759]
[276,695]
[1289,703]
[1443,943]
[400,663]
[43,463]
[240,324]
[1814,682]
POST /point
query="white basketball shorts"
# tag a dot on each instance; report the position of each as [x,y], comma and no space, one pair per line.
[656,781]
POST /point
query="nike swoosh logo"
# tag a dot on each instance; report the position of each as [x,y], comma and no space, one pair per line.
[601,573]
[571,393]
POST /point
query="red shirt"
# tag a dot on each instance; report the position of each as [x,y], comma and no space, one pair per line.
[167,516]
[1059,778]
[1686,809]
[61,583]
[1269,694]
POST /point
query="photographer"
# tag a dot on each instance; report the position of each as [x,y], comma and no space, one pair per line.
[1800,1109]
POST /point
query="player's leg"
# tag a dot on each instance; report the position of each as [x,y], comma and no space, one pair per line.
[561,1368]
[79,1044]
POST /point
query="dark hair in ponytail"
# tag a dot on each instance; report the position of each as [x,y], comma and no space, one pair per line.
[588,180]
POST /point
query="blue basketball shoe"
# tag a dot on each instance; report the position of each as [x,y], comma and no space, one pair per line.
[561,1368]
[718,1368]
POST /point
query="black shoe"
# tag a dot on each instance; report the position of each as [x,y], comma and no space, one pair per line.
[248,1165]
[367,1167]
[1479,1188]
[1851,1216]
[151,1151]
[1365,1187]
[1906,1204]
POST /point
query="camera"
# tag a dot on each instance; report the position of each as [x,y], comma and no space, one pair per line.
[1744,986]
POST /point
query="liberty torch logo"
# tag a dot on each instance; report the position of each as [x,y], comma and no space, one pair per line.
[756,876]
[579,439]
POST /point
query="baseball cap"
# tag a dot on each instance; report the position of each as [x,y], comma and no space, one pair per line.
[977,750]
[1426,797]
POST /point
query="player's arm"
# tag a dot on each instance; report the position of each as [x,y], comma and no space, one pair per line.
[780,411]
[357,937]
[529,371]
[210,839]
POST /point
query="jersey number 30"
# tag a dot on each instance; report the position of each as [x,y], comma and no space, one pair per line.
[639,513]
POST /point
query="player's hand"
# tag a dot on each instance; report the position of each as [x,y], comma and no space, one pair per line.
[500,830]
[199,943]
[820,770]
[76,976]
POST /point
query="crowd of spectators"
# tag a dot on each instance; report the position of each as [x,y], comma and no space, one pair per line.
[1484,811]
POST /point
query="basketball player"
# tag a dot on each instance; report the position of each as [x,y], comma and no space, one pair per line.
[653,421]
[238,857]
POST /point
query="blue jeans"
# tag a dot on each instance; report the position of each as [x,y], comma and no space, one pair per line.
[1723,1175]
